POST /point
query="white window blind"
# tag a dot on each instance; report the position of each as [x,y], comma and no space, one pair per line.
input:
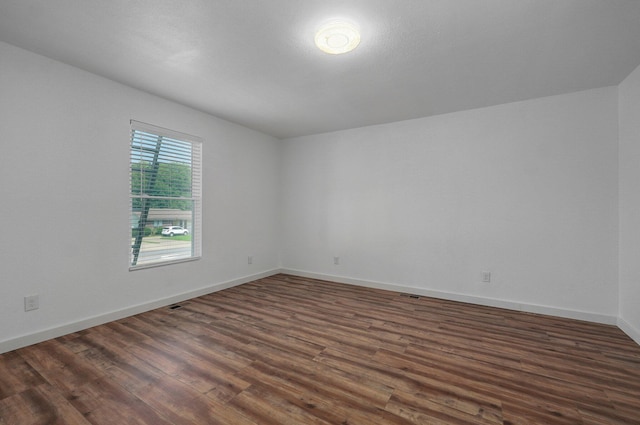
[165,199]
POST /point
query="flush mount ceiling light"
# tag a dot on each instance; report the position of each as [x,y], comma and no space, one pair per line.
[337,37]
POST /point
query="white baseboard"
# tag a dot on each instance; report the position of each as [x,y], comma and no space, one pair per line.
[626,327]
[490,302]
[57,331]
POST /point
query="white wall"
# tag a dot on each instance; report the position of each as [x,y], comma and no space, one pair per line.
[64,140]
[527,191]
[629,111]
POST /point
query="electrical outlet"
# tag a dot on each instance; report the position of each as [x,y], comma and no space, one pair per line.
[486,277]
[31,302]
[250,259]
[336,261]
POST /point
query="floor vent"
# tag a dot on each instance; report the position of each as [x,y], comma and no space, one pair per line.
[414,296]
[175,307]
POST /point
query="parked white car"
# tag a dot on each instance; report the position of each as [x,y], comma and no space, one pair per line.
[174,230]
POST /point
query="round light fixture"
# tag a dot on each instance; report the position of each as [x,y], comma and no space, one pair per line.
[337,37]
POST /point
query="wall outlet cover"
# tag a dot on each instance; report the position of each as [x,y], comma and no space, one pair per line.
[31,302]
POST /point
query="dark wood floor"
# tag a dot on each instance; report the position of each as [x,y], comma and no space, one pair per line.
[289,350]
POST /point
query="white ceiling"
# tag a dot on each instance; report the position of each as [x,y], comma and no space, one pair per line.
[253,62]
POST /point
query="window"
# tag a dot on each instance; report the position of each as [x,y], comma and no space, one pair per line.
[165,204]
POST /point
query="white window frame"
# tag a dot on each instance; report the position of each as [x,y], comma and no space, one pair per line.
[135,263]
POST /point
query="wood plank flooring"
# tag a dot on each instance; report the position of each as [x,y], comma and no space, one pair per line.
[290,350]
